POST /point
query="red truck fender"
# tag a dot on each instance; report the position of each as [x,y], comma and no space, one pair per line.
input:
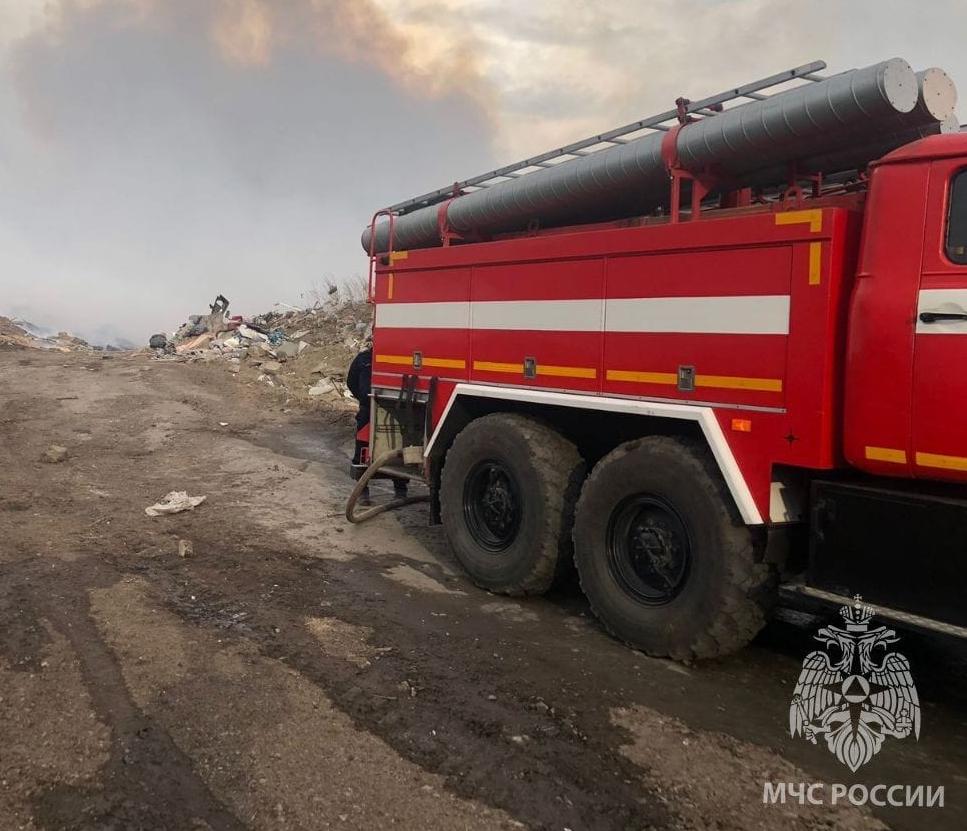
[704,417]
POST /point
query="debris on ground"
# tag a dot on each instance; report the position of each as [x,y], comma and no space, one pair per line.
[303,354]
[250,334]
[290,348]
[195,343]
[271,367]
[55,454]
[322,387]
[198,331]
[19,334]
[185,549]
[174,503]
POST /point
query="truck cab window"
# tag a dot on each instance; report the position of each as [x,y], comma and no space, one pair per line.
[957,219]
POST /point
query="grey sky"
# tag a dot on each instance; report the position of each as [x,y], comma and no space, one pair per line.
[157,152]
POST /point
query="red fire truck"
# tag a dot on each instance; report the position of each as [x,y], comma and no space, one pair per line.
[730,383]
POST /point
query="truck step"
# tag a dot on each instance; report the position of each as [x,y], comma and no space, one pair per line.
[796,592]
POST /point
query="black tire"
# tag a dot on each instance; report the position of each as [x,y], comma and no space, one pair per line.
[663,557]
[507,495]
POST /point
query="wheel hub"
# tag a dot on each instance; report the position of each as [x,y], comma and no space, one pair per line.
[492,505]
[649,551]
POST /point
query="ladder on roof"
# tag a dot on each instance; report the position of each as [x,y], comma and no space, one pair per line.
[683,111]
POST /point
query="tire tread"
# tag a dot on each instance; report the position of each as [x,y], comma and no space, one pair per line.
[561,468]
[747,593]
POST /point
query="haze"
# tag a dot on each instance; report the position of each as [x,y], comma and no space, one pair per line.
[155,153]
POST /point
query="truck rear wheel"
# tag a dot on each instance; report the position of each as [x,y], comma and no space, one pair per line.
[662,555]
[507,496]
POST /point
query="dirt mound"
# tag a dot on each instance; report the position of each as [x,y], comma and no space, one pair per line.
[302,353]
[15,336]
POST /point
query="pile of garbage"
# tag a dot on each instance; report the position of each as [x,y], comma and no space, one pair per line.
[19,334]
[302,352]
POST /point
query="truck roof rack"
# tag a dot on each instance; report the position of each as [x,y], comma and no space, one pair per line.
[685,110]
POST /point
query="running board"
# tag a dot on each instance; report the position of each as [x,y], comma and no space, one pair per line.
[794,591]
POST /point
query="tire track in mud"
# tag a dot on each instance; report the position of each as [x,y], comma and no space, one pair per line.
[427,694]
[499,710]
[147,783]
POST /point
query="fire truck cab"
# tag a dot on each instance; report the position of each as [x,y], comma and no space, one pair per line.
[904,362]
[698,409]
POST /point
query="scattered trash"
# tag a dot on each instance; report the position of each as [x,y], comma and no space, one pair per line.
[291,348]
[220,305]
[287,348]
[174,503]
[185,549]
[247,331]
[322,387]
[20,334]
[197,332]
[195,327]
[195,343]
[55,454]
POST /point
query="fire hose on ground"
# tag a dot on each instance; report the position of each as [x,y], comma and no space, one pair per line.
[381,466]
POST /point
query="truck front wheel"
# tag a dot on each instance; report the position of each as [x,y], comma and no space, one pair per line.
[662,555]
[507,496]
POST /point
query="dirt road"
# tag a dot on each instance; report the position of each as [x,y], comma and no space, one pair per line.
[299,673]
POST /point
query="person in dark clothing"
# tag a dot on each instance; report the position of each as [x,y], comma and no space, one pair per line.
[359,380]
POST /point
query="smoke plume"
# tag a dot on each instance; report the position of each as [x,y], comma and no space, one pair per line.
[159,152]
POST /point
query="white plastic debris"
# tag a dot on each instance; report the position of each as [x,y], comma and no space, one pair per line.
[251,334]
[322,387]
[174,503]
